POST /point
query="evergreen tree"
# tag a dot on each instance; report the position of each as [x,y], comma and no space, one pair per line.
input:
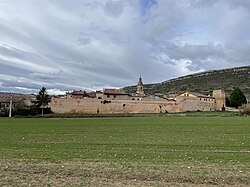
[228,102]
[237,98]
[42,99]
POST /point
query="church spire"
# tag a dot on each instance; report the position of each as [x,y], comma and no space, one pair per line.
[139,90]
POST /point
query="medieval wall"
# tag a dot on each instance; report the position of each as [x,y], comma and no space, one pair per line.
[122,106]
[98,106]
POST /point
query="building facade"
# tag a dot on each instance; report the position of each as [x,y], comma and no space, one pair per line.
[191,101]
[18,101]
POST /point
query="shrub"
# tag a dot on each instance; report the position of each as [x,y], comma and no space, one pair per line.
[237,98]
[245,109]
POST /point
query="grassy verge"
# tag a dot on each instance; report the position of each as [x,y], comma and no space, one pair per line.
[192,114]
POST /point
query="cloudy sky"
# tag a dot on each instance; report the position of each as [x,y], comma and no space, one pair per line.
[91,44]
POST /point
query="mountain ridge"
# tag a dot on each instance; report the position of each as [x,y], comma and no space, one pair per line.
[203,82]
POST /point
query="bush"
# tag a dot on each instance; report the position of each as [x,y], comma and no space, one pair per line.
[237,98]
[245,109]
[31,111]
[4,113]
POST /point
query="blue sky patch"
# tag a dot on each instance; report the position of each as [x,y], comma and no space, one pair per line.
[146,4]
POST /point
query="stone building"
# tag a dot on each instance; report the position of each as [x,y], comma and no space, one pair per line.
[191,101]
[19,101]
[5,101]
[76,94]
[80,94]
[115,94]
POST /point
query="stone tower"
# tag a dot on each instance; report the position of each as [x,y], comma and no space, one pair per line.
[220,99]
[139,90]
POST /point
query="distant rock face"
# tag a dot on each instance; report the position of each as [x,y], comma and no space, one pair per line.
[204,82]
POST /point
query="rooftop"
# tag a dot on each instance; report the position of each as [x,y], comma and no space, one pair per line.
[5,98]
[200,95]
[114,92]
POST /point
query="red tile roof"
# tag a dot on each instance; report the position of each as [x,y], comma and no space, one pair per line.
[5,98]
[200,95]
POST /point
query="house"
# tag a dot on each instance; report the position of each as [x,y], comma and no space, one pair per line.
[99,94]
[18,102]
[155,97]
[80,94]
[115,94]
[76,94]
[192,101]
[29,99]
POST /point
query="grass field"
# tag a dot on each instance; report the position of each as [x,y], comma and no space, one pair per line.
[125,151]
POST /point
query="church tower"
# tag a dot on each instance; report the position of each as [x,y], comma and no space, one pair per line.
[139,90]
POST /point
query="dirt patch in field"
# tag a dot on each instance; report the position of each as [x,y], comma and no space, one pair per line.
[95,173]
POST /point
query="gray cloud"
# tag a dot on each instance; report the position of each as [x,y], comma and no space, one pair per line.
[113,8]
[66,45]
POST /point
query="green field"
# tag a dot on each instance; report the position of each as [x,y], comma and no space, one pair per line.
[134,151]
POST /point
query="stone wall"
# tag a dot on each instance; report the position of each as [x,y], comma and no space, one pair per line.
[122,106]
[99,106]
[194,104]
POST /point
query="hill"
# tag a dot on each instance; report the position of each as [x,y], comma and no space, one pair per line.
[204,82]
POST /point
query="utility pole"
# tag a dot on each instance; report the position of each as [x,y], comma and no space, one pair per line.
[10,105]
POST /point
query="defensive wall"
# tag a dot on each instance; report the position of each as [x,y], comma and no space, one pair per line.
[100,106]
[123,104]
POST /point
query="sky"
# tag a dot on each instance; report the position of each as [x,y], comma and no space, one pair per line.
[93,44]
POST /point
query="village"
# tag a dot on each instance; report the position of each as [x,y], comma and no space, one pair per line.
[117,101]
